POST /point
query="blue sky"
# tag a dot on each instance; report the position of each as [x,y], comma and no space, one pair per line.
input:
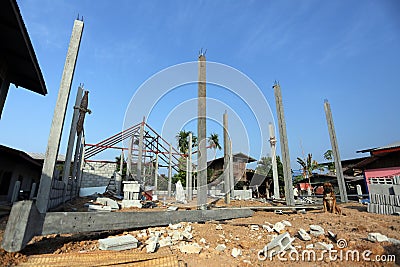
[344,51]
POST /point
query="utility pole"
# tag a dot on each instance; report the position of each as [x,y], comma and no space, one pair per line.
[190,182]
[336,154]
[287,171]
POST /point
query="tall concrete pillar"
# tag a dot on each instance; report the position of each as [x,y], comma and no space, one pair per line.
[4,88]
[287,171]
[187,177]
[156,175]
[227,187]
[336,154]
[71,139]
[190,180]
[202,135]
[118,176]
[231,176]
[33,190]
[81,162]
[53,144]
[272,141]
[140,155]
[76,156]
[170,171]
[129,158]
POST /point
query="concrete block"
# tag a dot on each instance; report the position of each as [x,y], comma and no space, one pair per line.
[118,243]
[175,226]
[304,235]
[278,244]
[316,230]
[152,243]
[377,237]
[193,248]
[218,227]
[394,241]
[187,235]
[286,223]
[236,252]
[278,227]
[165,242]
[220,247]
[131,203]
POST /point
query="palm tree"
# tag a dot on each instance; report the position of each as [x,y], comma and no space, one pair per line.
[308,166]
[328,155]
[213,141]
[183,141]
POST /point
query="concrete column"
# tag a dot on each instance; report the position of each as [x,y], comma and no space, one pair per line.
[81,162]
[202,135]
[187,177]
[227,187]
[336,154]
[190,180]
[14,197]
[272,141]
[140,154]
[53,144]
[129,161]
[72,133]
[156,176]
[76,156]
[287,171]
[170,171]
[231,176]
[33,190]
[118,177]
[4,88]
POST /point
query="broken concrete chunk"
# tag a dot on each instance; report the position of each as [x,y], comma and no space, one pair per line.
[254,227]
[165,242]
[175,226]
[236,252]
[323,246]
[278,227]
[220,247]
[278,244]
[377,237]
[316,230]
[268,228]
[310,246]
[303,235]
[131,204]
[118,243]
[108,202]
[286,223]
[394,241]
[193,248]
[218,227]
[98,208]
[203,241]
[187,235]
[172,208]
[151,247]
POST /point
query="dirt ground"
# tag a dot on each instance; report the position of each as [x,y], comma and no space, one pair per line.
[353,228]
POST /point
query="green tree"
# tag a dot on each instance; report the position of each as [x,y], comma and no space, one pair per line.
[183,141]
[308,166]
[328,155]
[213,141]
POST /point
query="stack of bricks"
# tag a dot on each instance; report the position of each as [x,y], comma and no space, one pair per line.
[384,195]
[95,174]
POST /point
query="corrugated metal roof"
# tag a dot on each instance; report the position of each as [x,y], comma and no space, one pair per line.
[41,156]
[389,146]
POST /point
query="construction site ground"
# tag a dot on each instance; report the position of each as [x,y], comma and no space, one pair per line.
[353,228]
